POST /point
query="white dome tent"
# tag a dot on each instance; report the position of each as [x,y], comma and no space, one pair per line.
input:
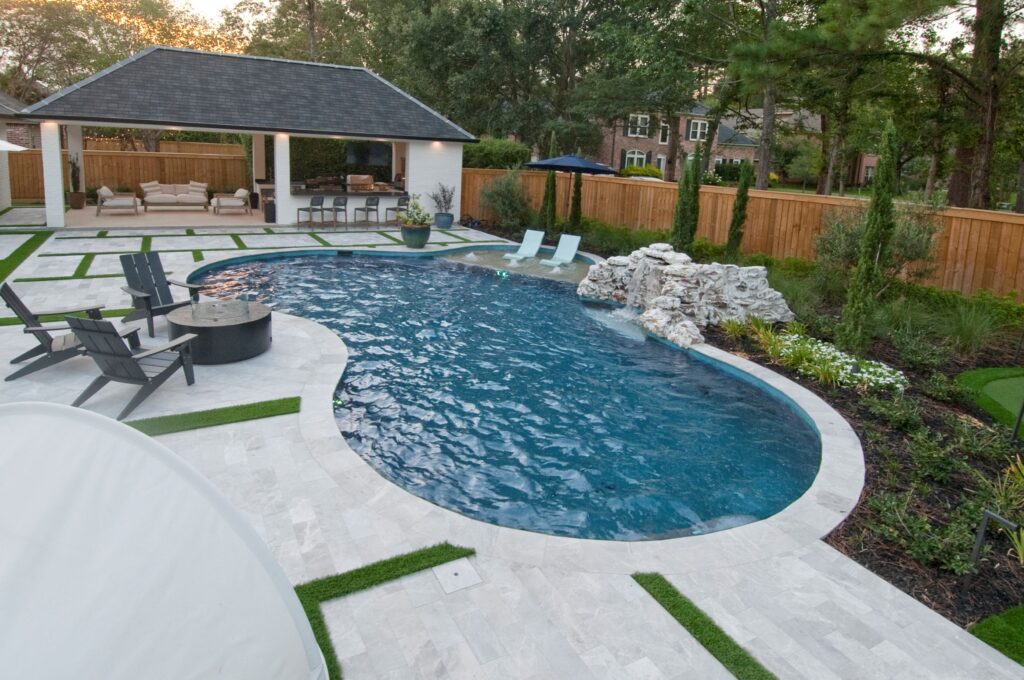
[119,560]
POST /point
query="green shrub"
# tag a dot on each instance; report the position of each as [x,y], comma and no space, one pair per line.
[939,387]
[729,172]
[919,352]
[495,153]
[504,196]
[739,209]
[640,171]
[734,330]
[947,546]
[687,212]
[902,413]
[932,459]
[606,240]
[704,250]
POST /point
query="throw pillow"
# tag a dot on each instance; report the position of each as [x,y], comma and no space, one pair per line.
[241,193]
[105,192]
[197,188]
[150,188]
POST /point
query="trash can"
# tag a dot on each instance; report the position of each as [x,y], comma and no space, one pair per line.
[269,211]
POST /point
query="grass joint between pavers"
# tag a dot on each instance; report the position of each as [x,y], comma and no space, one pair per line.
[22,252]
[238,241]
[194,420]
[736,660]
[314,593]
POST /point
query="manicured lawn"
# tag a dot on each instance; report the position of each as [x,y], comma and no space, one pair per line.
[332,587]
[737,660]
[1005,632]
[999,391]
[217,416]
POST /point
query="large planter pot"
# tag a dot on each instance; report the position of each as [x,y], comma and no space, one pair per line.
[415,237]
[444,220]
[76,199]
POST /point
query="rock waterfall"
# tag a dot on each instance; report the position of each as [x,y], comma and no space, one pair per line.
[676,296]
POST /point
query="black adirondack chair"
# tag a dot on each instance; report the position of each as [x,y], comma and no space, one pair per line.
[150,288]
[50,349]
[118,362]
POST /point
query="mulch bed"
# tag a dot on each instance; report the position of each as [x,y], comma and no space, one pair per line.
[999,582]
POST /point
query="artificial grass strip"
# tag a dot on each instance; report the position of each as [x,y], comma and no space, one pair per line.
[312,594]
[22,252]
[147,244]
[106,313]
[73,277]
[268,230]
[197,256]
[997,391]
[101,234]
[389,236]
[1004,631]
[83,267]
[190,232]
[195,420]
[736,660]
[319,239]
[449,233]
[238,241]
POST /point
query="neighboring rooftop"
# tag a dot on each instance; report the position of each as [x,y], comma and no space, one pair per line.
[185,88]
[726,135]
[9,106]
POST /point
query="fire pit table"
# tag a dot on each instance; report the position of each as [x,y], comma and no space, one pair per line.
[226,330]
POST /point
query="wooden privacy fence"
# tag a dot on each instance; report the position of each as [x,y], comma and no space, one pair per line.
[130,168]
[169,146]
[974,250]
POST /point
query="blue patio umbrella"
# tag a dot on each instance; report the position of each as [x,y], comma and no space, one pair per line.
[571,163]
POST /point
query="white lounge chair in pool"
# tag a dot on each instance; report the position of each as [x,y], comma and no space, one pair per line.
[568,244]
[528,248]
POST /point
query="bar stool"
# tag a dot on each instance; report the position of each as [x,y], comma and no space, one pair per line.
[403,204]
[316,205]
[371,206]
[339,205]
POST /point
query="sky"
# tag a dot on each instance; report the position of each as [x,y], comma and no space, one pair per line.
[207,8]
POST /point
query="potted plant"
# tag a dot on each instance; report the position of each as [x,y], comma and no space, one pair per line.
[443,199]
[76,197]
[415,225]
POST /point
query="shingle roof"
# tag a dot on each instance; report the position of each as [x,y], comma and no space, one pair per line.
[726,135]
[186,88]
[9,105]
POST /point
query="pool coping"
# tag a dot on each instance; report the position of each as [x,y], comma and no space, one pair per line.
[832,495]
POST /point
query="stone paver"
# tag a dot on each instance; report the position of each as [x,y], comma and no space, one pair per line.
[544,607]
[10,242]
[23,217]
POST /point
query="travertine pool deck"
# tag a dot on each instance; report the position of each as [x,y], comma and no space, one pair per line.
[527,605]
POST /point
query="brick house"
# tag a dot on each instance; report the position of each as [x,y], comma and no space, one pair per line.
[643,139]
[22,134]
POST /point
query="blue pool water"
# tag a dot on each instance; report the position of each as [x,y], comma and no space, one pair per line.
[502,397]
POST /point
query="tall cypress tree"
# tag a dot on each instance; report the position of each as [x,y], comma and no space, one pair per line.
[576,210]
[684,223]
[874,245]
[739,211]
[547,208]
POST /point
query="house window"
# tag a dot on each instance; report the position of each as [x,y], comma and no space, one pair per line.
[869,173]
[663,137]
[698,131]
[659,162]
[736,161]
[639,125]
[635,158]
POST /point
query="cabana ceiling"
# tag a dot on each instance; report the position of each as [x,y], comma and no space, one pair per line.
[168,87]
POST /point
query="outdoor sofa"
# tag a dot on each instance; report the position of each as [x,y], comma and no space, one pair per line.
[106,199]
[191,195]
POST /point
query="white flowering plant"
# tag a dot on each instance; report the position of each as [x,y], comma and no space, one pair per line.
[415,215]
[827,363]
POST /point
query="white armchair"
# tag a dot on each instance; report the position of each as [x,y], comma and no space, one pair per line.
[237,200]
[109,200]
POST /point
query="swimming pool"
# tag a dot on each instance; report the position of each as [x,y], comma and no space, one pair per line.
[503,398]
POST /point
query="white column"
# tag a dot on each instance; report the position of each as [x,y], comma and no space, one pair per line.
[259,158]
[5,172]
[433,163]
[53,173]
[76,150]
[283,179]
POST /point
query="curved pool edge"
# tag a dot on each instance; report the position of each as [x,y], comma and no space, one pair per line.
[392,514]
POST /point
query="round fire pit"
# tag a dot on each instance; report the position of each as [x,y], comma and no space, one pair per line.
[226,330]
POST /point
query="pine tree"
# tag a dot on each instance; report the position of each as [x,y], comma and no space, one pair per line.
[576,210]
[693,215]
[547,207]
[878,229]
[739,211]
[679,216]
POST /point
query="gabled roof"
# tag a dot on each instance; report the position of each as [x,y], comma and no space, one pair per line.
[185,88]
[9,106]
[726,135]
